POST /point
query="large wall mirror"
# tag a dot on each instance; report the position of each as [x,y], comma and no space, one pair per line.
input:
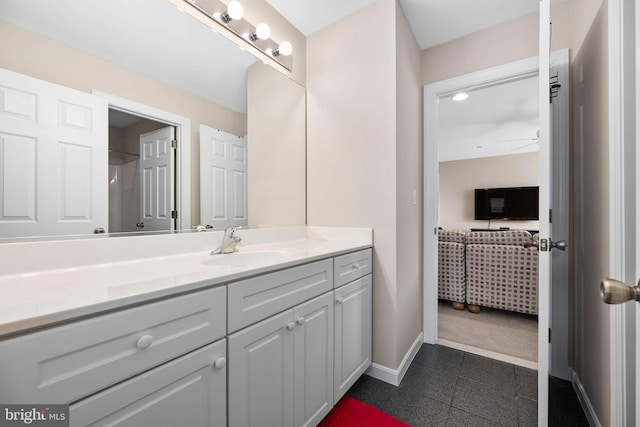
[158,75]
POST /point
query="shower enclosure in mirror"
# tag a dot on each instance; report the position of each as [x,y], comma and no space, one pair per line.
[172,64]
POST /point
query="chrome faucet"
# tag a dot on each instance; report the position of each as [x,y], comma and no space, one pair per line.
[229,242]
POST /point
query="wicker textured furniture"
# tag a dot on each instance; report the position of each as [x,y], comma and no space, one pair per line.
[451,267]
[502,271]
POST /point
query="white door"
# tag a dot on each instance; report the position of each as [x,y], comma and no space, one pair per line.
[544,277]
[53,159]
[261,373]
[223,178]
[313,360]
[157,183]
[352,330]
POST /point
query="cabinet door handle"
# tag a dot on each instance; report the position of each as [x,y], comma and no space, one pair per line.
[291,326]
[144,342]
[340,300]
[300,321]
[220,363]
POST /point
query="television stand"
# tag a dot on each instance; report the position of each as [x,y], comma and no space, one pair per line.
[502,229]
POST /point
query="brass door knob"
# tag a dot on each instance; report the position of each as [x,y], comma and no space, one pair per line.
[616,292]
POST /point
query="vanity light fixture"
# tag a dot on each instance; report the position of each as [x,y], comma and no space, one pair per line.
[234,11]
[262,32]
[231,22]
[460,96]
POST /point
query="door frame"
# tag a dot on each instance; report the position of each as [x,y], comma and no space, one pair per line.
[183,152]
[432,92]
[624,226]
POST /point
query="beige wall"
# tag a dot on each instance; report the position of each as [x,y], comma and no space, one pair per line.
[276,125]
[459,178]
[591,201]
[512,41]
[351,147]
[408,182]
[354,97]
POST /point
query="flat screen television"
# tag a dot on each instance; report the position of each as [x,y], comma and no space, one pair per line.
[514,203]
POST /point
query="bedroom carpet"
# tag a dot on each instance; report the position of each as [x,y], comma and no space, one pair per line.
[513,334]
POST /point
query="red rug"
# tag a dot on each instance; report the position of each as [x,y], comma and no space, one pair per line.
[350,412]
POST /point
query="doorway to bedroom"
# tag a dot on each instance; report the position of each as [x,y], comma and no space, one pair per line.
[488,158]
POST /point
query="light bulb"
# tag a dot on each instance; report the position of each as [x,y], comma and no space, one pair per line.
[284,49]
[461,96]
[235,10]
[263,31]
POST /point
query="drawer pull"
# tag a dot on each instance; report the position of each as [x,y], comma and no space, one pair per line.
[300,321]
[291,326]
[144,342]
[340,300]
[220,363]
[355,267]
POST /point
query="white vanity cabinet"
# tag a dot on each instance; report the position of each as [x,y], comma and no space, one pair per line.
[352,320]
[114,368]
[281,368]
[273,349]
[189,391]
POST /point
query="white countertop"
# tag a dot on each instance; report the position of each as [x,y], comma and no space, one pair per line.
[33,297]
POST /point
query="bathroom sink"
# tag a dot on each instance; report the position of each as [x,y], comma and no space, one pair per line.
[252,257]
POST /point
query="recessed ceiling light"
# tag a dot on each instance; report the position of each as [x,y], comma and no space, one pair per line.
[460,96]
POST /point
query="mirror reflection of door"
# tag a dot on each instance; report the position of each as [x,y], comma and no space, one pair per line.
[223,176]
[52,159]
[140,201]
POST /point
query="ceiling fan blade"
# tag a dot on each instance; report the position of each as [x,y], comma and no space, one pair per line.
[524,146]
[519,139]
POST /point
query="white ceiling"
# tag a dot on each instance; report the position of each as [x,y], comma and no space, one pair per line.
[493,121]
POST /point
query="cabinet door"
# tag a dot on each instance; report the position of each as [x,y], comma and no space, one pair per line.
[352,334]
[188,391]
[261,373]
[313,360]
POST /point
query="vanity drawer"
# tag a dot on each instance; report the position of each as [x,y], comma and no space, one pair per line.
[63,364]
[255,299]
[352,266]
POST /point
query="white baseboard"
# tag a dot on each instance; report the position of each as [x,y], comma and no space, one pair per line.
[394,376]
[589,412]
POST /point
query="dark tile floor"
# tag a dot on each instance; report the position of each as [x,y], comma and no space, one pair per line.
[448,387]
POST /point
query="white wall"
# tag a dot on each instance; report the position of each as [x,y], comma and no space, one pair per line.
[459,178]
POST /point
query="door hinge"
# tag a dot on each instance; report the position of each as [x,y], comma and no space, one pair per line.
[550,215]
[549,335]
[554,87]
[174,144]
[174,214]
